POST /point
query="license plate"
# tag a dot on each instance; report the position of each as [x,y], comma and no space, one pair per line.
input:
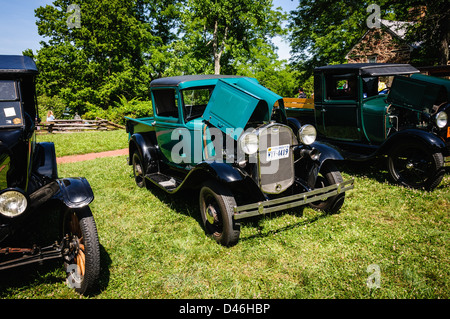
[277,152]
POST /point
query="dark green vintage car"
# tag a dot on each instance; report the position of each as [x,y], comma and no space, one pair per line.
[229,138]
[370,110]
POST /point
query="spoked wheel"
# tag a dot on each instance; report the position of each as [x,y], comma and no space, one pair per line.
[138,170]
[82,253]
[329,175]
[413,165]
[216,208]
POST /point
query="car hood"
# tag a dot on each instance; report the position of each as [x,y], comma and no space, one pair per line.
[232,106]
[419,92]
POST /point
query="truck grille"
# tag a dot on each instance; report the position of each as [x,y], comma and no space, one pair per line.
[275,159]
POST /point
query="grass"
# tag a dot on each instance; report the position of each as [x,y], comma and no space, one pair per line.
[85,142]
[153,245]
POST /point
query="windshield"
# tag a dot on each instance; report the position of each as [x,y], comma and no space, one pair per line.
[376,85]
[10,110]
[195,101]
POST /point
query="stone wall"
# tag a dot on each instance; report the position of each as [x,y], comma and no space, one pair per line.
[381,44]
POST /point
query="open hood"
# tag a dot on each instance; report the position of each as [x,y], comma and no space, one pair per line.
[232,106]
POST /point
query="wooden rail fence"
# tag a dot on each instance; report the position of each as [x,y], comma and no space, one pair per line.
[65,126]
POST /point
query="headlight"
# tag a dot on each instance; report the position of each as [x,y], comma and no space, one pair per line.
[249,143]
[307,134]
[12,203]
[441,119]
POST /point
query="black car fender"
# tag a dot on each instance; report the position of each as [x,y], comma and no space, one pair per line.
[433,142]
[146,146]
[74,192]
[236,179]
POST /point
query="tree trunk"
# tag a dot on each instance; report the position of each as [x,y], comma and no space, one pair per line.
[218,50]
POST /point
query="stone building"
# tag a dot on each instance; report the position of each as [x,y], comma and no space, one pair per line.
[382,45]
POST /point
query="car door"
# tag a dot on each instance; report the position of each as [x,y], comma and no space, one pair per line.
[167,119]
[340,110]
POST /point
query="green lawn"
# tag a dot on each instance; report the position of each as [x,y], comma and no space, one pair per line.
[153,245]
[85,142]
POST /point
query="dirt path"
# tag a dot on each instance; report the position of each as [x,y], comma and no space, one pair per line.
[90,156]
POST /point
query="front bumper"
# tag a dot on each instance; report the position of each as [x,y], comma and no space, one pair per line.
[278,204]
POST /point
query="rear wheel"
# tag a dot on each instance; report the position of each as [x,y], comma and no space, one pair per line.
[82,254]
[329,175]
[414,165]
[138,170]
[216,208]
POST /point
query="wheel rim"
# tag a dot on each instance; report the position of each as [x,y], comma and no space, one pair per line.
[138,170]
[412,166]
[77,249]
[211,211]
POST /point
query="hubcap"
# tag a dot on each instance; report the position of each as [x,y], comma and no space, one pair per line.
[211,214]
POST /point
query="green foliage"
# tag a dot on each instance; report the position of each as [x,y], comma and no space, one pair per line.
[133,108]
[54,104]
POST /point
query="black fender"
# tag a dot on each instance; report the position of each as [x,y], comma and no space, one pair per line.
[46,160]
[433,142]
[233,177]
[294,124]
[145,144]
[74,192]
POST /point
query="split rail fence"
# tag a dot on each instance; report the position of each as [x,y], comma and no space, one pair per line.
[65,126]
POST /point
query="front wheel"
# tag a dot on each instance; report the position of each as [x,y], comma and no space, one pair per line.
[216,209]
[82,253]
[329,175]
[413,165]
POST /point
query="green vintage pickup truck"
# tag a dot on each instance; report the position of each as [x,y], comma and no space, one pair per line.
[228,137]
[375,110]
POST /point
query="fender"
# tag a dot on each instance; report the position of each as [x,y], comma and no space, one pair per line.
[74,192]
[294,124]
[433,142]
[239,181]
[146,145]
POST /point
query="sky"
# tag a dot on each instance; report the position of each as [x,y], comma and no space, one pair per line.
[18,30]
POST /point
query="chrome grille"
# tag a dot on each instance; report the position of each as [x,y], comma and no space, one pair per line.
[276,174]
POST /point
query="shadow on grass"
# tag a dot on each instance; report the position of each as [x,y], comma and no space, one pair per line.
[186,202]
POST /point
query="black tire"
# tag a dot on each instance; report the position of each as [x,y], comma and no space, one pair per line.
[329,175]
[216,209]
[138,170]
[414,165]
[82,259]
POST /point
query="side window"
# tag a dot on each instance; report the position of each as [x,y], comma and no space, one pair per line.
[195,101]
[341,87]
[165,102]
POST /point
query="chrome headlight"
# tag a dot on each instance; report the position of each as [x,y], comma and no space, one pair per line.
[441,119]
[249,143]
[12,203]
[307,134]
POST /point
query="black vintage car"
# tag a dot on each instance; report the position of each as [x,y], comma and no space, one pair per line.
[29,185]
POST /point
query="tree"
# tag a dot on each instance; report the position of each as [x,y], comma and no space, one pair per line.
[431,28]
[214,26]
[108,55]
[323,31]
